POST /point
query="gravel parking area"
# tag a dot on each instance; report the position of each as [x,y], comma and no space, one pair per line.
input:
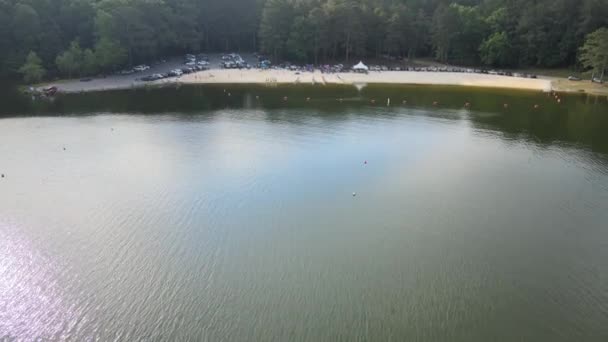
[134,80]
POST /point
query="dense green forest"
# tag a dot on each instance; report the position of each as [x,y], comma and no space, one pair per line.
[78,37]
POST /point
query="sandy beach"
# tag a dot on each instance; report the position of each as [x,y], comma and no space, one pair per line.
[282,76]
[389,77]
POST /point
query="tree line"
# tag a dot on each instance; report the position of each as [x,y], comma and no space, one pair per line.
[86,37]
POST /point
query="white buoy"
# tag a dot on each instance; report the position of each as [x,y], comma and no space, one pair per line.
[354,194]
[388,102]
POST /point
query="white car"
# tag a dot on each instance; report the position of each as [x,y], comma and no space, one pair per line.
[142,67]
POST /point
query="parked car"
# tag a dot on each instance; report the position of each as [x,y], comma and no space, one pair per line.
[175,72]
[228,65]
[141,68]
[191,63]
[50,91]
[153,77]
[573,78]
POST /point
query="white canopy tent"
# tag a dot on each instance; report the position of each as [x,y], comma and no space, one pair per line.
[360,67]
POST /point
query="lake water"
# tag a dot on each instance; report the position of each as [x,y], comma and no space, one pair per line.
[227,214]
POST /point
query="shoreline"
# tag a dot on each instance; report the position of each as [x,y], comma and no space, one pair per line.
[270,77]
[277,77]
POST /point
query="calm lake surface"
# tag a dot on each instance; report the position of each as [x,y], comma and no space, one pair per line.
[204,213]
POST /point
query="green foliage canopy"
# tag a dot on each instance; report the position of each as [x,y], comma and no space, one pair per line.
[114,33]
[32,70]
[594,54]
